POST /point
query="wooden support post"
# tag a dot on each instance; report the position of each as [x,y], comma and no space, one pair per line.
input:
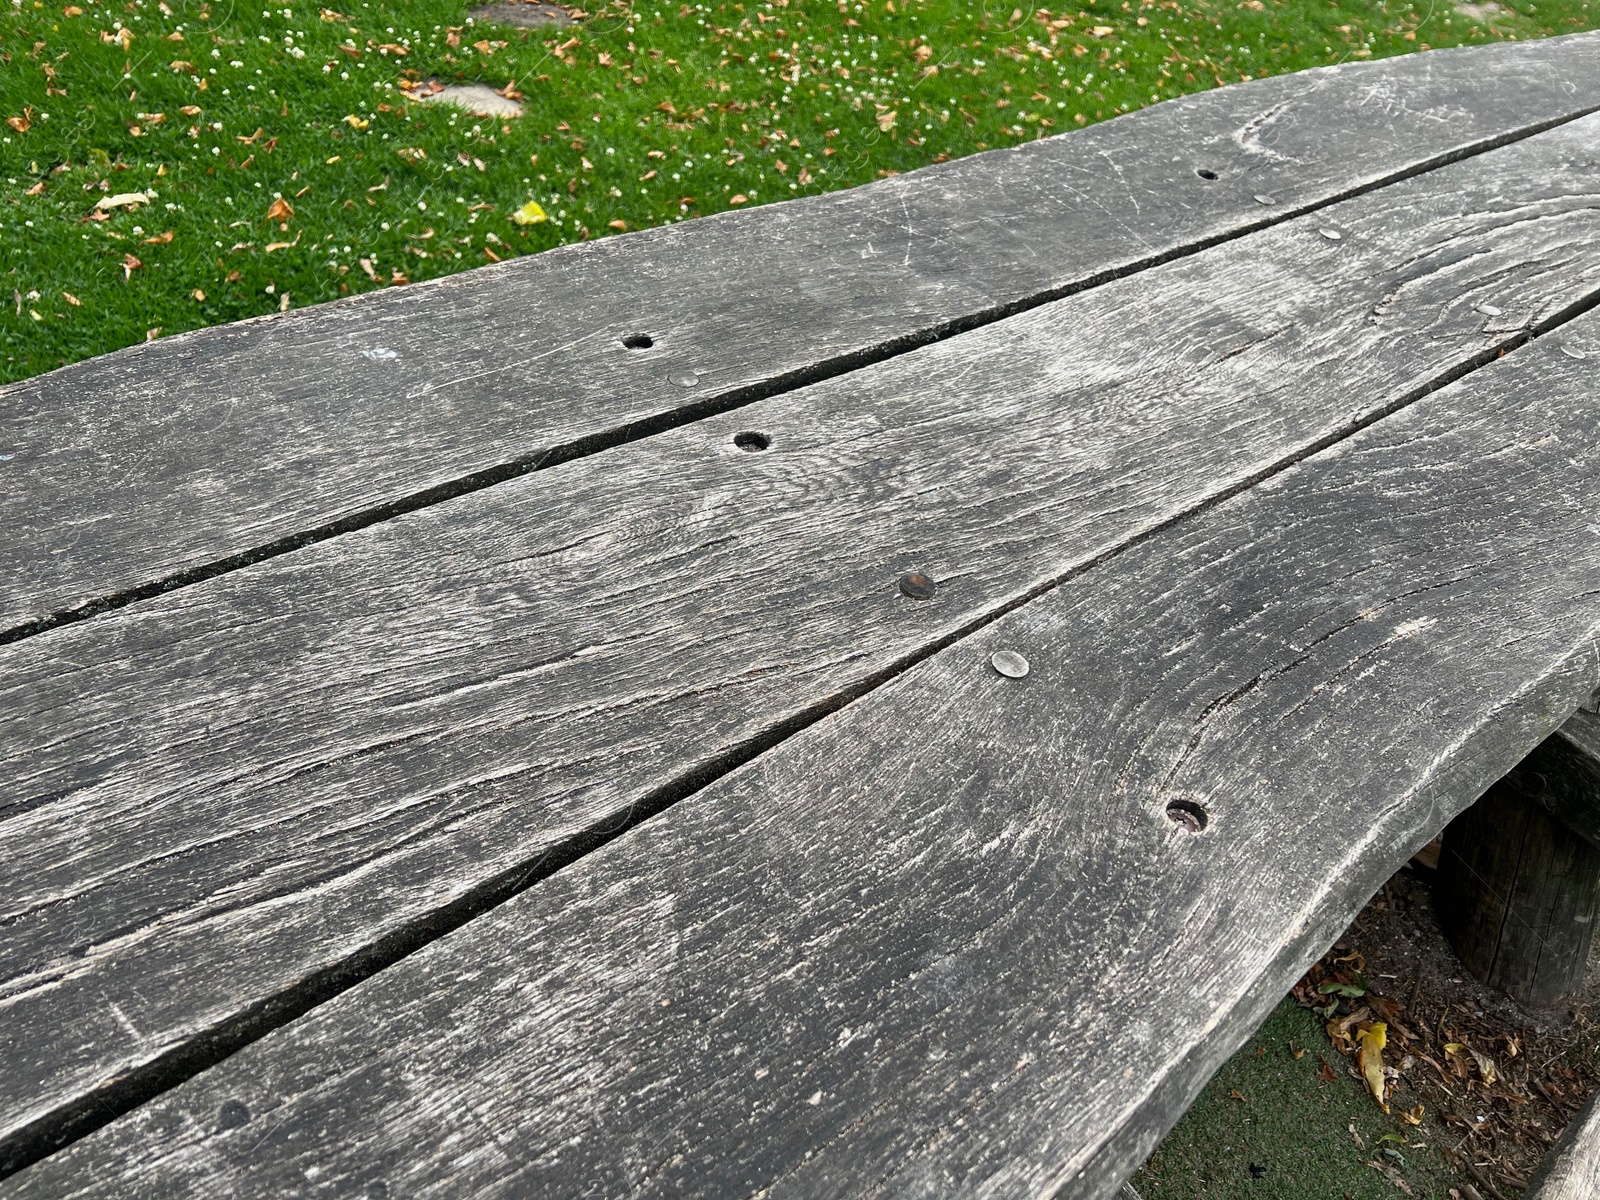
[1571,1171]
[1519,874]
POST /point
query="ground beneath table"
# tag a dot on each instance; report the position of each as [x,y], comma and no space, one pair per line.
[1271,1126]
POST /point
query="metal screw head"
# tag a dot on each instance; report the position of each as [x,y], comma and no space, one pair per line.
[1333,235]
[1572,351]
[1009,663]
[1263,198]
[917,586]
[685,379]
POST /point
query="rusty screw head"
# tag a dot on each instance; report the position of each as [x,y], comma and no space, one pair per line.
[917,586]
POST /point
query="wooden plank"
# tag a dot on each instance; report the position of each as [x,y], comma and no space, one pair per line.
[1570,789]
[951,940]
[165,462]
[1571,1171]
[226,803]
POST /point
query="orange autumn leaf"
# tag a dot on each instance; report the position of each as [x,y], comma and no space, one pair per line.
[280,210]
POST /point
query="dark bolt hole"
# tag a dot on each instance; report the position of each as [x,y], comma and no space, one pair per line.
[753,442]
[232,1114]
[638,341]
[1206,173]
[1188,814]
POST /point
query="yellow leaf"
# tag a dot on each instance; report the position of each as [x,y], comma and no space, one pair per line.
[529,214]
[355,122]
[1413,1117]
[886,120]
[1370,1059]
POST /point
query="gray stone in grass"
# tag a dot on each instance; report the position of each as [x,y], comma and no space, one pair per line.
[477,98]
[526,14]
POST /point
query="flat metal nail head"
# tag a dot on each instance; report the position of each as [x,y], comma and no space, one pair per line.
[1333,235]
[685,378]
[917,586]
[1263,198]
[1574,352]
[1009,663]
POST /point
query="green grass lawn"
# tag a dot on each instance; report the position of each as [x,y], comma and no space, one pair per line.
[284,164]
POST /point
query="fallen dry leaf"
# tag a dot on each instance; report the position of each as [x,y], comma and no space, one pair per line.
[198,294]
[886,120]
[72,300]
[367,269]
[130,264]
[122,200]
[35,189]
[160,239]
[1370,1059]
[1392,1175]
[280,210]
[20,124]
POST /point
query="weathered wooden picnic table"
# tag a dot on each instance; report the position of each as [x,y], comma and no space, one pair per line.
[878,694]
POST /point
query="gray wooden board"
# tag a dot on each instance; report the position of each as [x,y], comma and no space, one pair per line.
[140,469]
[1572,1169]
[1572,790]
[235,797]
[947,941]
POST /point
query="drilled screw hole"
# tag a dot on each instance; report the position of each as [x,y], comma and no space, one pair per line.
[753,442]
[1205,173]
[1188,814]
[638,341]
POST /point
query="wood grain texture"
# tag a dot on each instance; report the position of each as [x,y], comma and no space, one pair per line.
[1519,892]
[1570,788]
[947,941]
[235,798]
[1571,1171]
[134,471]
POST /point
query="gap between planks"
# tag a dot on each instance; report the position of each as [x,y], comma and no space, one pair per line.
[661,422]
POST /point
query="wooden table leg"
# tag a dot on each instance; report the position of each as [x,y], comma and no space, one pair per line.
[1519,873]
